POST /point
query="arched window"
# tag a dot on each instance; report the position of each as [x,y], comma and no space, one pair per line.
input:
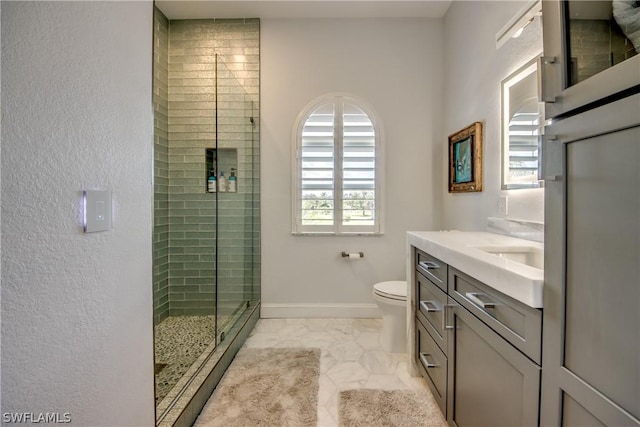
[338,171]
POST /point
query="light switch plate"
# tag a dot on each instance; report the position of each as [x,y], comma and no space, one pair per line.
[503,205]
[97,210]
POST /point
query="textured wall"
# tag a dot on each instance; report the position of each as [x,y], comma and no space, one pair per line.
[395,65]
[192,211]
[160,166]
[77,308]
[474,70]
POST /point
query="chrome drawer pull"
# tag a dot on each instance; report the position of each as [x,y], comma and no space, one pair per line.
[429,306]
[474,298]
[425,362]
[428,265]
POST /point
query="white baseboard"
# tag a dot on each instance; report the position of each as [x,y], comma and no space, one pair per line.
[300,310]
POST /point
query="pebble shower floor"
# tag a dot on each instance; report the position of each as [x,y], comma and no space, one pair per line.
[179,342]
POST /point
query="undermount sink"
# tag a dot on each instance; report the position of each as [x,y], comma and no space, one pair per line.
[527,255]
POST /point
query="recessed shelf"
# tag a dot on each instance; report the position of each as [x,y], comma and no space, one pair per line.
[221,161]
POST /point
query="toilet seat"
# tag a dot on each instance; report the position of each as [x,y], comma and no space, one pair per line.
[395,290]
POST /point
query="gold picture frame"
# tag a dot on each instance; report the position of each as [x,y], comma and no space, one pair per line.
[465,159]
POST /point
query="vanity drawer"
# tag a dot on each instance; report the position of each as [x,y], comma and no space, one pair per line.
[430,306]
[432,268]
[516,322]
[432,364]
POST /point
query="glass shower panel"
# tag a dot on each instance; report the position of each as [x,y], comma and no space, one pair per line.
[255,261]
[237,157]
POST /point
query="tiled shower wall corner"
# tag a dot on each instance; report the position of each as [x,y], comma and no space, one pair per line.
[596,45]
[161,168]
[191,124]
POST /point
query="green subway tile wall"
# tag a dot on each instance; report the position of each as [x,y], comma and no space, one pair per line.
[161,167]
[185,229]
[596,44]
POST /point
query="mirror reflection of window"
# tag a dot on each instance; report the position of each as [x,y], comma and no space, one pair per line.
[522,125]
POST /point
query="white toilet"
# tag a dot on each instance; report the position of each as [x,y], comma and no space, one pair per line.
[391,297]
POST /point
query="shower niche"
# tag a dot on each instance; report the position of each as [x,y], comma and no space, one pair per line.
[221,162]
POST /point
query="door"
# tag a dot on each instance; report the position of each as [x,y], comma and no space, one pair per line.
[490,382]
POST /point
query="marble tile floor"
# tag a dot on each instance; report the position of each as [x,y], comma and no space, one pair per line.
[351,357]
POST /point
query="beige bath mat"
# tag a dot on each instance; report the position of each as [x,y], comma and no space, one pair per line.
[266,387]
[388,408]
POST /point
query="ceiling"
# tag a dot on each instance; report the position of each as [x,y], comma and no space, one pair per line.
[188,9]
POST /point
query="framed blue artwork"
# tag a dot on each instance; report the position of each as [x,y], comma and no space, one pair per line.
[465,159]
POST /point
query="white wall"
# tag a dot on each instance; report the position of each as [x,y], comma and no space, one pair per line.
[474,70]
[396,66]
[0,219]
[77,308]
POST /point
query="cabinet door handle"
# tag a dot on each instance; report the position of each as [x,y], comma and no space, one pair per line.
[444,316]
[425,362]
[428,265]
[429,306]
[475,298]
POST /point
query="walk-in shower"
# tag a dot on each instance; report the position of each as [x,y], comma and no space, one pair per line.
[206,253]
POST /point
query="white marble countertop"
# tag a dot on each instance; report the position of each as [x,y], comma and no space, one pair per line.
[459,250]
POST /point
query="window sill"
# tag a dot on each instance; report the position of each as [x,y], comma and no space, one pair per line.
[320,234]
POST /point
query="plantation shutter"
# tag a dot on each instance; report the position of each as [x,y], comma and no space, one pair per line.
[358,168]
[317,167]
[336,177]
[523,149]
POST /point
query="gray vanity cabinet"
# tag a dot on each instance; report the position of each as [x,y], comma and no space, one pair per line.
[432,364]
[514,321]
[431,337]
[478,349]
[491,382]
[432,302]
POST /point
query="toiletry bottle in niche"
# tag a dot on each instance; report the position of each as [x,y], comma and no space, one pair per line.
[222,183]
[232,181]
[211,182]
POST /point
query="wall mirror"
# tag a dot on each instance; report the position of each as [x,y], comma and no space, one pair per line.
[522,121]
